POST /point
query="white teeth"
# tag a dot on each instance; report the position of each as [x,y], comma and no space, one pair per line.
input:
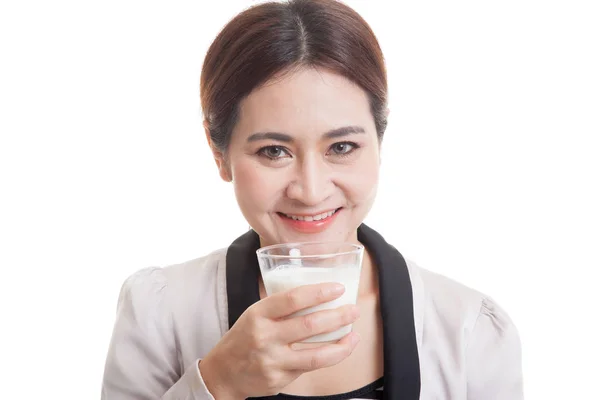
[322,216]
[311,218]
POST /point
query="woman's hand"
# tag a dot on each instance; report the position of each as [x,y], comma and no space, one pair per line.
[255,357]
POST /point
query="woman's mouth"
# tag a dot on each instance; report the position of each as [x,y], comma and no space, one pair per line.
[309,223]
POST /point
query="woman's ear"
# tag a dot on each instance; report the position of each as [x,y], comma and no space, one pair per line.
[387,114]
[220,160]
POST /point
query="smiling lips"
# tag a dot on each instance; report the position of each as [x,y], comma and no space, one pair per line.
[310,223]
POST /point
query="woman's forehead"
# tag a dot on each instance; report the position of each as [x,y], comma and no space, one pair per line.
[305,100]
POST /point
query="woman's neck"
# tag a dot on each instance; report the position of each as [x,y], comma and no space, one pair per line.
[369,278]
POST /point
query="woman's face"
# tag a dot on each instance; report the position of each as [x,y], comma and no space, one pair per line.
[304,158]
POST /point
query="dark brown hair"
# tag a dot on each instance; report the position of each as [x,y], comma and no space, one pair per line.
[275,37]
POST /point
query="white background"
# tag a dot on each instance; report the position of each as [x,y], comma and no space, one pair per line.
[490,170]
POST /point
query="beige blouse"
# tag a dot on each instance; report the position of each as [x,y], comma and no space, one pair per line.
[170,318]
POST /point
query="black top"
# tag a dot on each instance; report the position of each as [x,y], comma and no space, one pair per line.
[371,391]
[401,358]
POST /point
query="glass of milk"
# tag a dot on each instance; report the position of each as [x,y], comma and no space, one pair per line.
[286,266]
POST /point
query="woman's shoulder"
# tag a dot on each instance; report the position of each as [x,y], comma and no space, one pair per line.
[459,330]
[197,270]
[453,303]
[180,278]
[437,287]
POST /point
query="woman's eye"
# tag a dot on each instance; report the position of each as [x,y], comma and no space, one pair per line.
[343,148]
[273,152]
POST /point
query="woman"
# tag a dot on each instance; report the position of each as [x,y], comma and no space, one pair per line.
[295,102]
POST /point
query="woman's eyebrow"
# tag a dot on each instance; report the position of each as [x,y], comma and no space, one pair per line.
[343,131]
[280,137]
[283,137]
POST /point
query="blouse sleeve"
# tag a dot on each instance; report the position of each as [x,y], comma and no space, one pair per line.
[494,370]
[142,361]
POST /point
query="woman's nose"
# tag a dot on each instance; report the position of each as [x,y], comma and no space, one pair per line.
[312,184]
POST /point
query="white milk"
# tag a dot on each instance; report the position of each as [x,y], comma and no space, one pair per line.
[287,277]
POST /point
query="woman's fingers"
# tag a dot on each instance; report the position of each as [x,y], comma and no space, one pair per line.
[302,327]
[280,305]
[322,357]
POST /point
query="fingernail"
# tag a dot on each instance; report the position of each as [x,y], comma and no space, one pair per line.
[338,288]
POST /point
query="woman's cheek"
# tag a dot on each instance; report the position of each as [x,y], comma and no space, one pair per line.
[361,182]
[254,186]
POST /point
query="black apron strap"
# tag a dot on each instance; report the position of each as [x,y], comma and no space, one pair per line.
[402,377]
